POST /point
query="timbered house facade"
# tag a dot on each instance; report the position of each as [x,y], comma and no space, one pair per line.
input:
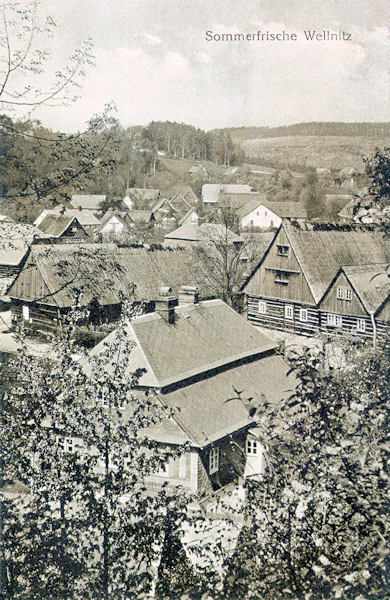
[285,289]
[357,301]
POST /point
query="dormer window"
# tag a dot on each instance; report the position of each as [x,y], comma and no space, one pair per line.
[282,250]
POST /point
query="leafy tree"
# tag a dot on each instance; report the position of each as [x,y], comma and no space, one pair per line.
[35,162]
[317,522]
[378,170]
[74,442]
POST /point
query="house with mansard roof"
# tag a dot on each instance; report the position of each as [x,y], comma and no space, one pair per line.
[98,275]
[285,288]
[213,371]
[357,301]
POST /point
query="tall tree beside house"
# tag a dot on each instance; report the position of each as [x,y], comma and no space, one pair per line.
[317,523]
[378,170]
[36,162]
[78,519]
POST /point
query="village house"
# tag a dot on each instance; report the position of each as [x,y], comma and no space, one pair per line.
[91,202]
[115,223]
[198,171]
[285,288]
[357,301]
[269,215]
[212,193]
[98,276]
[61,228]
[86,218]
[214,372]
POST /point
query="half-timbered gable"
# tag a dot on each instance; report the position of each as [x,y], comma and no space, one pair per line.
[286,287]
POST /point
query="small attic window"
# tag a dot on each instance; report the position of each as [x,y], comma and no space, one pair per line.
[282,250]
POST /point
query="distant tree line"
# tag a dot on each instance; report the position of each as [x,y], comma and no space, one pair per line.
[312,129]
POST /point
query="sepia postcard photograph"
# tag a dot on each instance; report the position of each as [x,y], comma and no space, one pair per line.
[194,300]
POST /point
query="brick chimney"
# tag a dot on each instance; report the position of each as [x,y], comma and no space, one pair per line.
[165,304]
[188,294]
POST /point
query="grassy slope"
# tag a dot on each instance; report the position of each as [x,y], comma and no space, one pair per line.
[321,151]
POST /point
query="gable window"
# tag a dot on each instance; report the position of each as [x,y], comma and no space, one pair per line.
[344,293]
[262,307]
[289,311]
[213,460]
[334,320]
[252,447]
[303,315]
[282,250]
[281,277]
[361,325]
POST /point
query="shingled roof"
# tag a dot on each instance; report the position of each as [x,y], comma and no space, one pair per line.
[322,253]
[206,232]
[55,225]
[371,283]
[195,364]
[15,239]
[103,271]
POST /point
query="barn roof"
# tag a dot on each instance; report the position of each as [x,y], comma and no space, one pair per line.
[103,271]
[287,210]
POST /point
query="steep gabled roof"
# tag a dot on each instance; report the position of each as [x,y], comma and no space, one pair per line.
[371,283]
[322,253]
[84,217]
[55,225]
[140,216]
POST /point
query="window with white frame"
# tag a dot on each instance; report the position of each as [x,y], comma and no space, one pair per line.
[252,447]
[344,293]
[67,444]
[289,311]
[361,325]
[262,307]
[303,315]
[334,320]
[213,460]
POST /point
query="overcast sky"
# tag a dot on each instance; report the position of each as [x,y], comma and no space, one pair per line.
[154,62]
